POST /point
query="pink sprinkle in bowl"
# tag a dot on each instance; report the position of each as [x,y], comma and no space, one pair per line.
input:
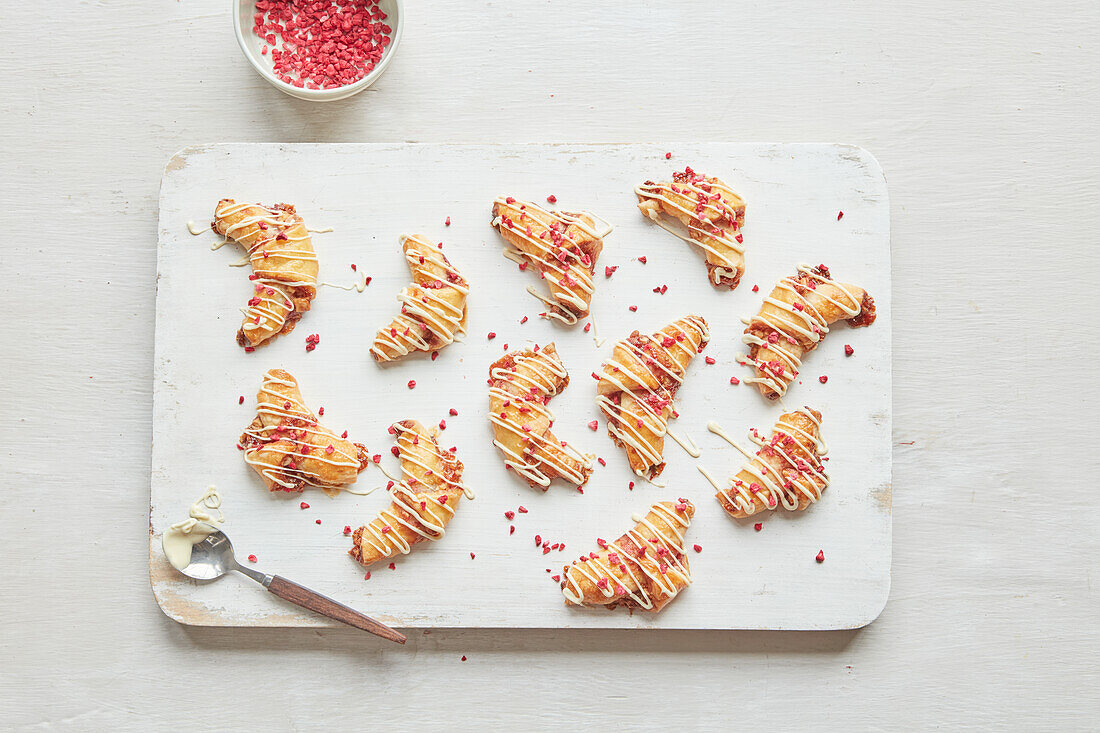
[252,45]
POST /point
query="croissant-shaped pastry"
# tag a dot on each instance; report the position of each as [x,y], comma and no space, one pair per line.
[433,307]
[786,471]
[291,450]
[712,215]
[563,246]
[645,568]
[520,386]
[424,501]
[794,319]
[284,266]
[636,389]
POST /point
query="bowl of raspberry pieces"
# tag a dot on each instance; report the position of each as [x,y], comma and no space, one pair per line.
[320,50]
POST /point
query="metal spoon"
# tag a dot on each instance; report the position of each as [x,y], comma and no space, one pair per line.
[213,557]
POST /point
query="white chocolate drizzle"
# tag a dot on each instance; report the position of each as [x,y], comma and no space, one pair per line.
[271,303]
[556,254]
[808,323]
[649,409]
[430,509]
[710,197]
[284,409]
[180,537]
[424,310]
[669,553]
[709,477]
[533,394]
[687,443]
[358,286]
[388,473]
[595,332]
[195,229]
[355,491]
[801,478]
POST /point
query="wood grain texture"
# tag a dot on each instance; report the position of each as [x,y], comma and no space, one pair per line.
[982,115]
[299,595]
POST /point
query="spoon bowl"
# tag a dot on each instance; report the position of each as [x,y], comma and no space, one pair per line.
[212,557]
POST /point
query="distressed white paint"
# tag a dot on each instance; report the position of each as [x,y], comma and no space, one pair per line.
[372,193]
[982,115]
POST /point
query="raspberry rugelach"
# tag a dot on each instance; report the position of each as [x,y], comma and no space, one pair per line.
[710,212]
[786,471]
[794,319]
[290,449]
[433,306]
[521,385]
[563,247]
[637,386]
[645,568]
[284,266]
[424,501]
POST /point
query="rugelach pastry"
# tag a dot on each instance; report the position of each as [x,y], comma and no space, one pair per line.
[794,319]
[786,471]
[645,568]
[424,501]
[563,247]
[710,215]
[521,385]
[433,307]
[290,449]
[637,386]
[284,266]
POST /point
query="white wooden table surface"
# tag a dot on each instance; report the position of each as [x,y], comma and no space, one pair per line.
[983,115]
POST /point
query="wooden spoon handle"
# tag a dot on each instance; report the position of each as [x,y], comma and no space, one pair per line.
[314,601]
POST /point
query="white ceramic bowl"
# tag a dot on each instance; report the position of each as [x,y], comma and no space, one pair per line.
[251,45]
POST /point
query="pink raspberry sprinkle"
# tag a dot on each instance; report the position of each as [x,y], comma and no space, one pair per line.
[322,45]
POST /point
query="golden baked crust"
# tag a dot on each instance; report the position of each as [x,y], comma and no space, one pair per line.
[424,501]
[290,449]
[645,568]
[433,306]
[637,386]
[521,385]
[284,266]
[794,318]
[563,246]
[786,471]
[711,214]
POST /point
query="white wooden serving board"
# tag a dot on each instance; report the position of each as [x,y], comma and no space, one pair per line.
[370,194]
